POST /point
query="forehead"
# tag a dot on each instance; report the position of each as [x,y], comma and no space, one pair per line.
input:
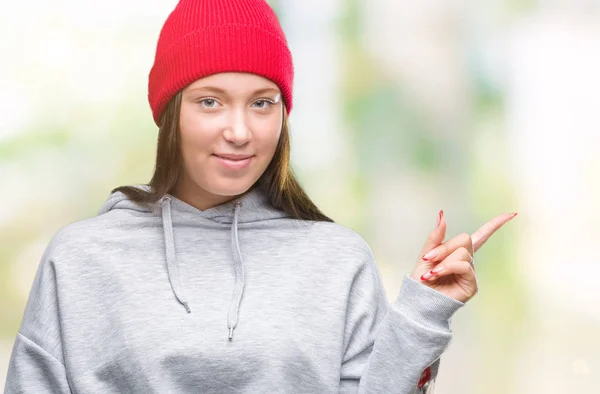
[233,83]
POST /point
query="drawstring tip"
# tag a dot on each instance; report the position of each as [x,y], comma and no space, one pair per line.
[187,307]
[230,334]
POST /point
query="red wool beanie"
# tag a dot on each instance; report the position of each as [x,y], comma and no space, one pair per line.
[205,37]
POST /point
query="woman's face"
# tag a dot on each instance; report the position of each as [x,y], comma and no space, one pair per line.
[229,129]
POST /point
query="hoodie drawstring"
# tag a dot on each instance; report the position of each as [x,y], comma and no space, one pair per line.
[234,306]
[172,268]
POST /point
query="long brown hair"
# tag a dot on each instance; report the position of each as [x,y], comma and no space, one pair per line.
[278,183]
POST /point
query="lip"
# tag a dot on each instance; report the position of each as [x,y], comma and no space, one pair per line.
[233,156]
[234,162]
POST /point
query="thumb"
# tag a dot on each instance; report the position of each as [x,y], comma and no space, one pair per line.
[436,237]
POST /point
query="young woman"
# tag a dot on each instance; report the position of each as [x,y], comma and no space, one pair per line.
[221,275]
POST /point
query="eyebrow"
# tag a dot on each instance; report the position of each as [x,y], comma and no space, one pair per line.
[217,90]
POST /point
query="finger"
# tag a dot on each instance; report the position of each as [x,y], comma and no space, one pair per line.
[484,232]
[436,237]
[460,254]
[454,267]
[444,250]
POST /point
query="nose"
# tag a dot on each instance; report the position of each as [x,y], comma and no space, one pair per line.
[238,131]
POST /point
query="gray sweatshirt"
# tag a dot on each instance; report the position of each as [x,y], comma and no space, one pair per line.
[238,298]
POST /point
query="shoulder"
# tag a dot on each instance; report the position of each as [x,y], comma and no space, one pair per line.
[340,242]
[348,257]
[69,237]
[83,237]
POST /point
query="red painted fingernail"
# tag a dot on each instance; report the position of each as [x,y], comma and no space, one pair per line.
[440,215]
[512,215]
[429,255]
[427,275]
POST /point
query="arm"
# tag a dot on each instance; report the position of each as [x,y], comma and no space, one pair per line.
[387,352]
[387,347]
[36,364]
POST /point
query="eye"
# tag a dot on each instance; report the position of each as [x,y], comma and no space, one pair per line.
[263,103]
[209,103]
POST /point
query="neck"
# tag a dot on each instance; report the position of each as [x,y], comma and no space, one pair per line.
[197,197]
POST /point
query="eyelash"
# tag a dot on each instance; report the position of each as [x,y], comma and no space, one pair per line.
[269,101]
[201,102]
[266,100]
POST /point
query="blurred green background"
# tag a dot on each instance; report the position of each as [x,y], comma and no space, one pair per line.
[402,108]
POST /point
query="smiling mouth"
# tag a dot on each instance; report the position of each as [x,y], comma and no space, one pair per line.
[233,162]
[233,157]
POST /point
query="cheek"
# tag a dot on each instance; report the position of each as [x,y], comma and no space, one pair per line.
[266,136]
[196,133]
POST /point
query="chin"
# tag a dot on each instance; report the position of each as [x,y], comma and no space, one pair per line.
[230,188]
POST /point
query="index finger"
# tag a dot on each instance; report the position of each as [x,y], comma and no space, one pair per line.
[484,232]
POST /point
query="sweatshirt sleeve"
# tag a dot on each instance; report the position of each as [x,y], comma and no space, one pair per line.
[389,347]
[36,364]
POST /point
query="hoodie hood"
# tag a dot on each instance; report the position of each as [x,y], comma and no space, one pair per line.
[252,206]
[256,207]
